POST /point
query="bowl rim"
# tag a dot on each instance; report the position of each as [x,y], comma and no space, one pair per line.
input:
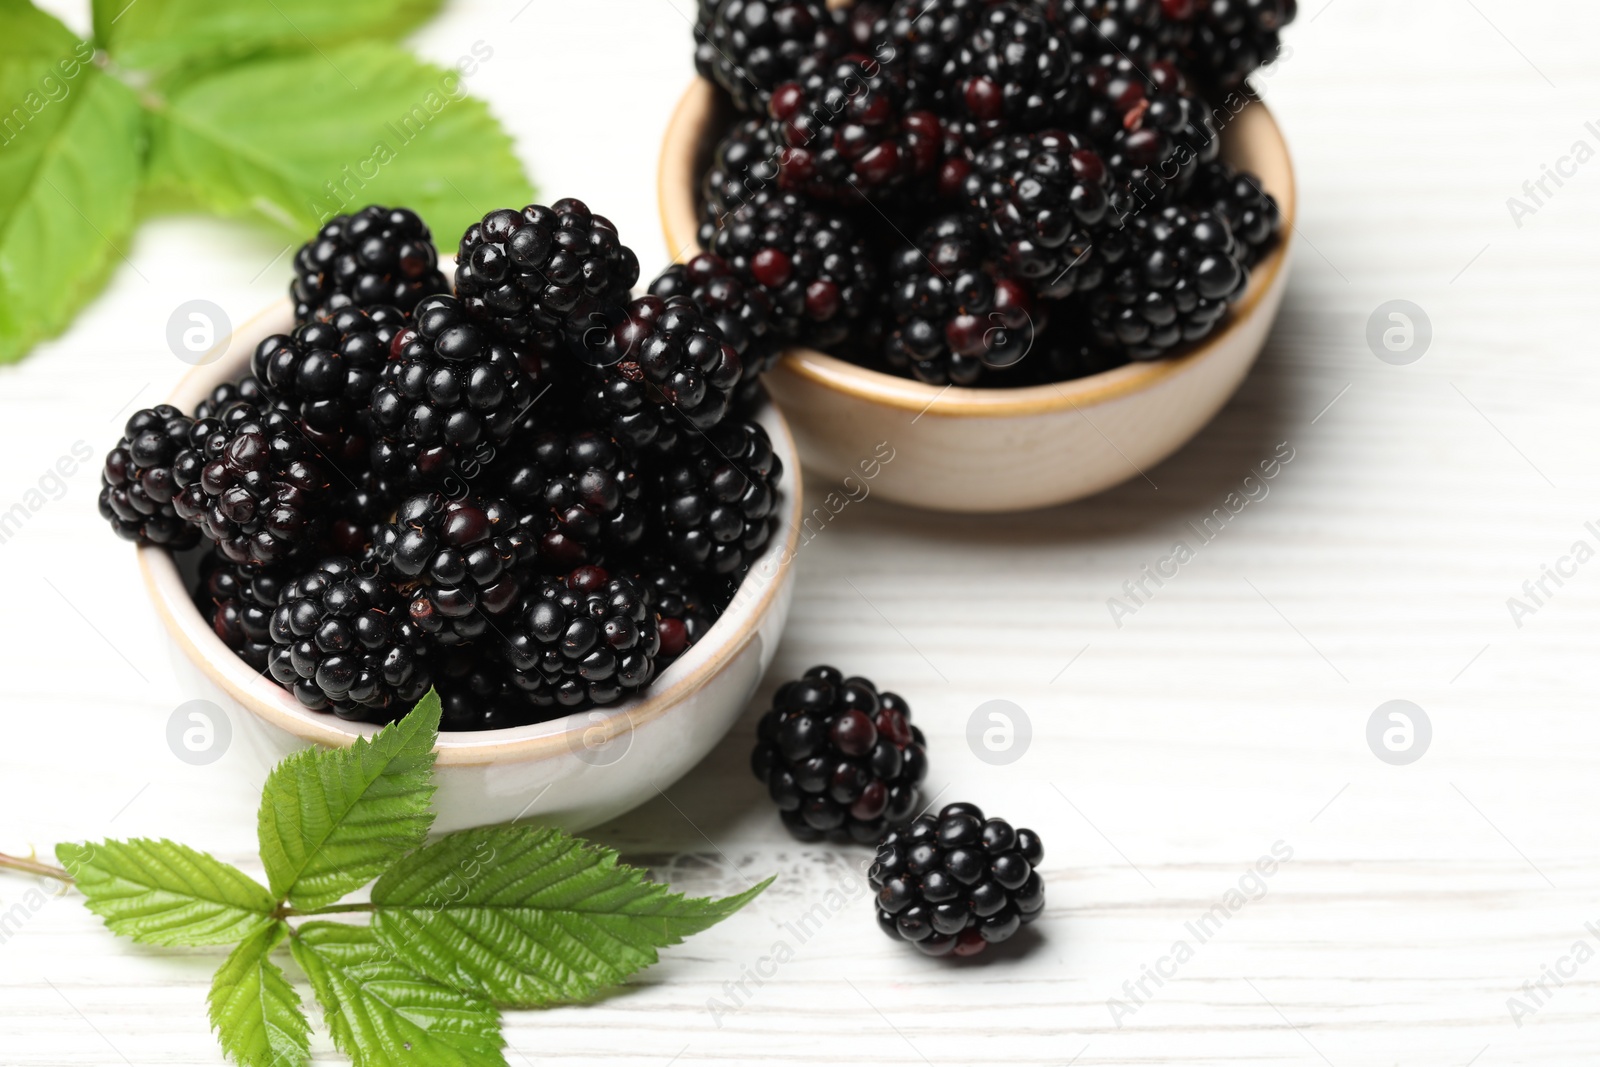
[679,148]
[262,697]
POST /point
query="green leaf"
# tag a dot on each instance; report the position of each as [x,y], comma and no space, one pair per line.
[531,916]
[254,1010]
[332,819]
[380,1013]
[70,148]
[347,127]
[164,33]
[161,893]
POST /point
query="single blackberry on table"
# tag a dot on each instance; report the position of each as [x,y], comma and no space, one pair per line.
[743,314]
[957,883]
[254,484]
[583,640]
[238,602]
[716,501]
[686,605]
[341,642]
[576,493]
[247,388]
[139,482]
[377,256]
[811,263]
[744,162]
[1181,270]
[543,269]
[954,315]
[1237,196]
[839,758]
[451,394]
[749,47]
[1014,74]
[1153,128]
[1231,39]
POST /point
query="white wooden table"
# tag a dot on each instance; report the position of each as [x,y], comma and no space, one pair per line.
[1226,717]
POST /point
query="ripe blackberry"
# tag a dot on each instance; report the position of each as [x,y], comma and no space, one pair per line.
[376,256]
[1153,128]
[743,314]
[863,24]
[745,162]
[957,883]
[1174,284]
[341,642]
[458,561]
[749,47]
[583,640]
[1139,29]
[253,484]
[1047,200]
[542,269]
[811,263]
[685,605]
[238,602]
[1250,212]
[1014,73]
[324,374]
[1231,39]
[575,491]
[138,482]
[716,503]
[927,37]
[247,388]
[839,758]
[451,393]
[848,132]
[953,314]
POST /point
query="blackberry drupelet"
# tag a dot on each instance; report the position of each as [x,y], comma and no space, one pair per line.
[254,485]
[685,605]
[247,388]
[812,264]
[458,561]
[583,640]
[749,47]
[743,313]
[1142,30]
[449,396]
[744,163]
[576,492]
[376,256]
[954,315]
[839,758]
[957,883]
[1181,269]
[139,481]
[927,37]
[238,602]
[341,642]
[1153,128]
[1237,196]
[716,501]
[1014,74]
[543,269]
[1231,39]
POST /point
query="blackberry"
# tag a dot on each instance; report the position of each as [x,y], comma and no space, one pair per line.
[957,883]
[238,602]
[953,314]
[254,484]
[1047,199]
[576,492]
[848,132]
[543,269]
[745,162]
[476,695]
[685,605]
[341,642]
[927,37]
[811,263]
[1181,270]
[838,757]
[1142,30]
[583,640]
[1232,38]
[743,314]
[1250,212]
[458,561]
[247,388]
[1014,74]
[749,47]
[716,504]
[138,482]
[324,373]
[376,256]
[864,24]
[451,393]
[1154,130]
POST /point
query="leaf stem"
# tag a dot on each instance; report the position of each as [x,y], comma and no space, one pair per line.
[30,866]
[285,912]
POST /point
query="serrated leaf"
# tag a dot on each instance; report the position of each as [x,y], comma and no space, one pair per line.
[163,893]
[164,33]
[332,819]
[532,916]
[254,1010]
[70,154]
[362,124]
[382,1014]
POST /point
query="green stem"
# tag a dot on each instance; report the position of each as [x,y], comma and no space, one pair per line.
[48,870]
[285,912]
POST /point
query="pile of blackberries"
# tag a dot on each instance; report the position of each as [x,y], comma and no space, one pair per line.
[531,493]
[987,192]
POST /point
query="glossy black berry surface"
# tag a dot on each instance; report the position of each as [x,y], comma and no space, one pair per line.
[139,482]
[376,256]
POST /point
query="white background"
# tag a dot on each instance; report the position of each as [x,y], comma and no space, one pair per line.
[1228,714]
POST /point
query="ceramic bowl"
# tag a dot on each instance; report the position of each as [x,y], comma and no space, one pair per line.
[984,450]
[571,772]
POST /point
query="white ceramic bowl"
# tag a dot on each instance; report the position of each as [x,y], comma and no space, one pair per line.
[984,450]
[571,772]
